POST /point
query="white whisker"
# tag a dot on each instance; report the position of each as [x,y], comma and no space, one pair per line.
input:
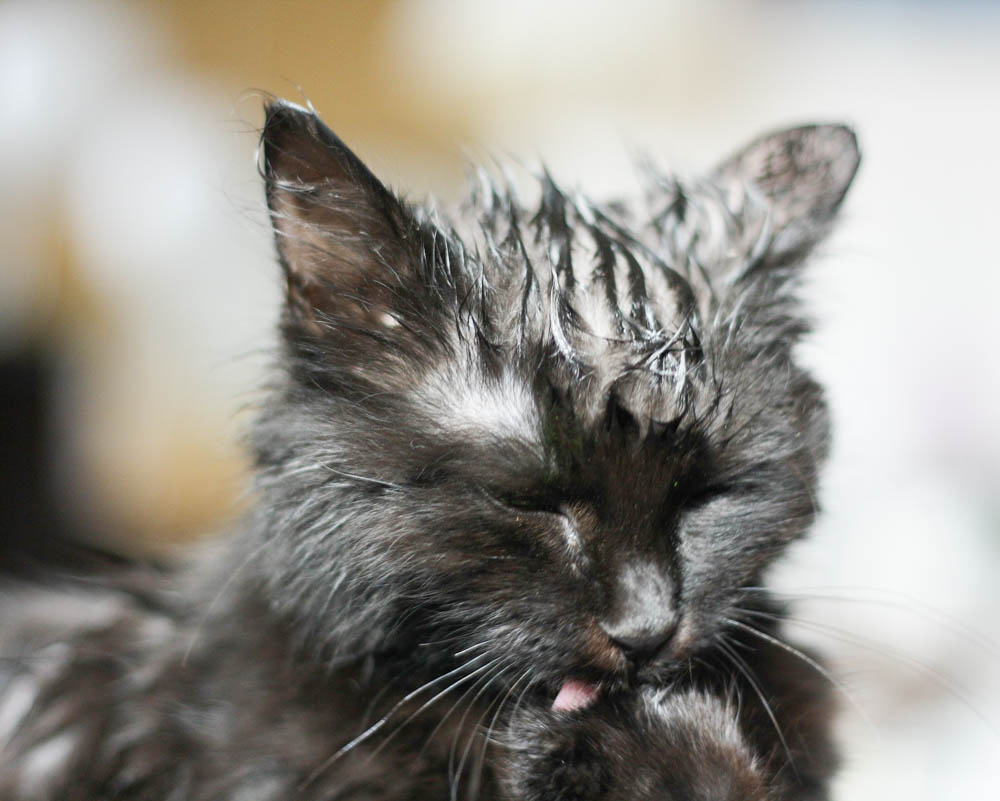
[375,727]
[745,669]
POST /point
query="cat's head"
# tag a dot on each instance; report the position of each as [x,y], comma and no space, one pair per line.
[556,433]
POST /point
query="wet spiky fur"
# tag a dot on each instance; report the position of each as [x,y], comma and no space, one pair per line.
[504,448]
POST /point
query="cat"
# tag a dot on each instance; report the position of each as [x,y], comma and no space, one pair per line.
[519,478]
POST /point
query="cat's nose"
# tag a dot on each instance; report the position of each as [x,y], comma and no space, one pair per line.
[643,618]
[641,642]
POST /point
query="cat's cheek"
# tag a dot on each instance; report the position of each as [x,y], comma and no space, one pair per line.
[717,549]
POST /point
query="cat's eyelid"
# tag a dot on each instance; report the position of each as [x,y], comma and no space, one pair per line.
[533,505]
[524,503]
[708,493]
[722,489]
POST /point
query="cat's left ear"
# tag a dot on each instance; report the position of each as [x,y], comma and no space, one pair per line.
[347,244]
[804,174]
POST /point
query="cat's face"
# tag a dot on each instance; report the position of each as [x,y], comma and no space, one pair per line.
[557,435]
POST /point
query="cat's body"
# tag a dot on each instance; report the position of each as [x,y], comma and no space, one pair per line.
[517,488]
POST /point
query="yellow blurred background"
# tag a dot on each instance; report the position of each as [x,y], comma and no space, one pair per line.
[138,284]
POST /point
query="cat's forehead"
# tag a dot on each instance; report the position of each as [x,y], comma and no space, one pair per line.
[575,303]
[594,300]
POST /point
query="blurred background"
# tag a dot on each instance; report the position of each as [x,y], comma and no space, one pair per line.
[138,292]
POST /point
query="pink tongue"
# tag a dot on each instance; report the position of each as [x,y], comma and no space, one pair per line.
[575,695]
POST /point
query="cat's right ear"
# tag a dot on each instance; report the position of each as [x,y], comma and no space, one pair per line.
[803,174]
[344,240]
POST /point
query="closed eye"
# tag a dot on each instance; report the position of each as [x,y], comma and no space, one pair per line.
[737,487]
[707,494]
[526,502]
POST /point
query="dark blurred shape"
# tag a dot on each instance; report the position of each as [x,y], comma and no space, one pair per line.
[37,536]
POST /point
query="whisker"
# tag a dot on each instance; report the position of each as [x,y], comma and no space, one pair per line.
[427,704]
[456,774]
[472,647]
[747,672]
[808,660]
[954,688]
[370,709]
[478,687]
[375,727]
[897,600]
[513,713]
[489,731]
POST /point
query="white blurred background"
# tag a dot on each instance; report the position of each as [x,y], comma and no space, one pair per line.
[137,269]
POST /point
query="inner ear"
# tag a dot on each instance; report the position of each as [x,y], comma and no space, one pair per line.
[804,174]
[344,240]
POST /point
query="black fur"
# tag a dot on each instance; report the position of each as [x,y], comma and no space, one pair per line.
[536,443]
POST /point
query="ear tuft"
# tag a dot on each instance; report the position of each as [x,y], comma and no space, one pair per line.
[804,174]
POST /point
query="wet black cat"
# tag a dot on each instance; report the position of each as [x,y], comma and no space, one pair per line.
[519,479]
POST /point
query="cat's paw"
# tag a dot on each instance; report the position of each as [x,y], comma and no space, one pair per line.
[653,745]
